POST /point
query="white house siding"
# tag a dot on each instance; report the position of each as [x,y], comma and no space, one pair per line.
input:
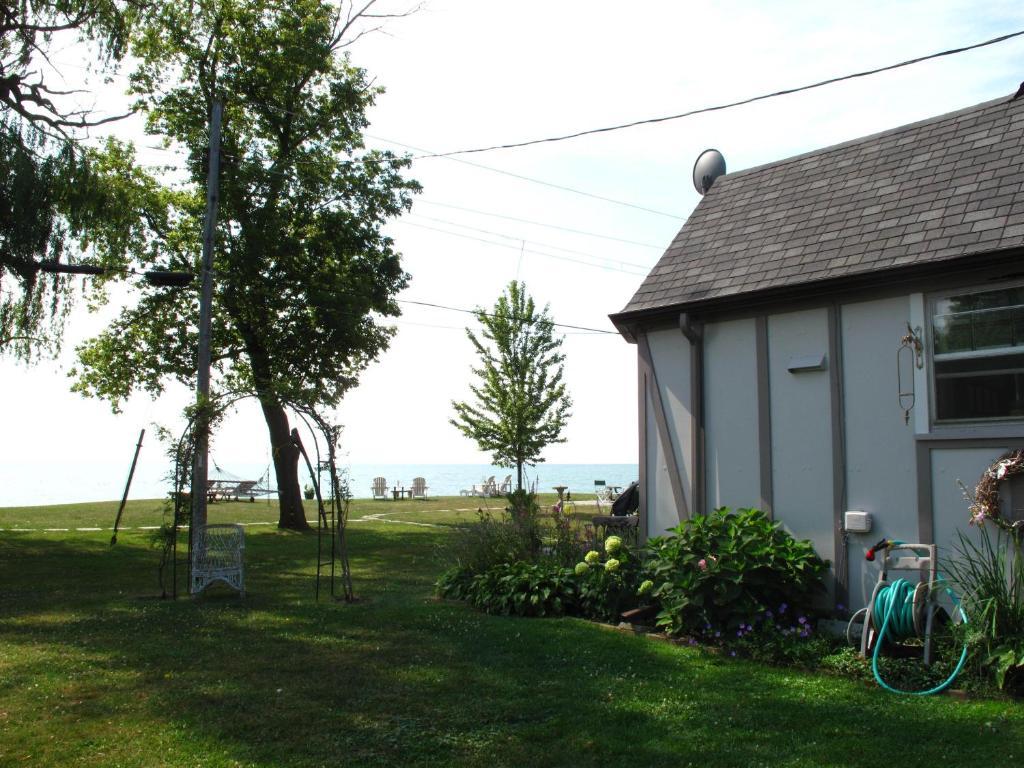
[906,478]
[730,415]
[949,464]
[670,353]
[879,446]
[801,429]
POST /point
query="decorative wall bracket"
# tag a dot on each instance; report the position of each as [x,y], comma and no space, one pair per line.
[909,355]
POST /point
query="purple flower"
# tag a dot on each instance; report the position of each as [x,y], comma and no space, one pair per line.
[770,614]
[739,632]
[693,641]
[782,608]
[732,653]
[717,633]
[802,619]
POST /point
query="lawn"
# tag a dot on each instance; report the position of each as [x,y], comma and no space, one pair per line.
[94,670]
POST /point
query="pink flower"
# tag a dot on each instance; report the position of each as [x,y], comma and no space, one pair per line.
[702,564]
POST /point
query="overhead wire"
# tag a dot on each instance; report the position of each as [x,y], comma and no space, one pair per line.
[729,105]
[530,179]
[517,248]
[519,239]
[422,201]
[478,312]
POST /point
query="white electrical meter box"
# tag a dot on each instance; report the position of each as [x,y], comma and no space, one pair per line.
[857,522]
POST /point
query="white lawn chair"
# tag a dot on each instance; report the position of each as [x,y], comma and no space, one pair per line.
[218,554]
[605,496]
[489,487]
[380,488]
[419,488]
[506,486]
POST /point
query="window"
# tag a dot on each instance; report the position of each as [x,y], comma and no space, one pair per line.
[978,355]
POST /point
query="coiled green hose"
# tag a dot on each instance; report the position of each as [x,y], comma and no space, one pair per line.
[895,604]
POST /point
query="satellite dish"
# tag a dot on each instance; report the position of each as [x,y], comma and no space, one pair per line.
[709,166]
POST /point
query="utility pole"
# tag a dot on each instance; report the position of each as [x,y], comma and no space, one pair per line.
[202,427]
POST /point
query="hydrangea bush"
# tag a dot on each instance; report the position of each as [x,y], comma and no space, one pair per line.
[725,571]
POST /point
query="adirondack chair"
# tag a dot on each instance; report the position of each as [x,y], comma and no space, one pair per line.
[489,487]
[380,488]
[419,488]
[506,486]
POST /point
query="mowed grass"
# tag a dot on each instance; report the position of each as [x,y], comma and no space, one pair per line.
[96,671]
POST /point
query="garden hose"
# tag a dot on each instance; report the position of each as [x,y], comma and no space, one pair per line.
[895,603]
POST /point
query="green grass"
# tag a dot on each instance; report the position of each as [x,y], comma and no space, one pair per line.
[95,671]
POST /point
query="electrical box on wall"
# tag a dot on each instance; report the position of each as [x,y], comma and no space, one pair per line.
[857,522]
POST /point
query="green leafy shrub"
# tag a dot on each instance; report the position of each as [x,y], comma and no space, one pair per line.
[492,541]
[454,583]
[723,570]
[523,589]
[990,576]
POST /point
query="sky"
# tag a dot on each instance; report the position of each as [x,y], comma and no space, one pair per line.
[460,74]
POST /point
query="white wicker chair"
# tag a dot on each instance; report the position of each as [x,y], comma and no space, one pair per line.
[218,554]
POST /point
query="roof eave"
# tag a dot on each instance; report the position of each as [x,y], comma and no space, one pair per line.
[629,323]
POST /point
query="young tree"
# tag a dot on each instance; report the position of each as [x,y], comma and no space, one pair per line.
[303,271]
[521,403]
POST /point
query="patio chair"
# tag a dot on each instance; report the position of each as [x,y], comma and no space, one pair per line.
[380,488]
[488,487]
[506,486]
[419,488]
[604,495]
[218,553]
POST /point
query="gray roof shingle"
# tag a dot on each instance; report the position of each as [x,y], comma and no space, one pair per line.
[939,189]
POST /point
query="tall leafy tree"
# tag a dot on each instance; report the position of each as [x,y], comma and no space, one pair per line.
[56,197]
[304,274]
[521,404]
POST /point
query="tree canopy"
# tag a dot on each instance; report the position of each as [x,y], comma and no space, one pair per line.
[521,400]
[304,274]
[57,197]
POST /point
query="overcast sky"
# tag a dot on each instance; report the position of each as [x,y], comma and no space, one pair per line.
[465,73]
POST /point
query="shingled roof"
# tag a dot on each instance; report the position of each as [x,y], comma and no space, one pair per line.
[940,189]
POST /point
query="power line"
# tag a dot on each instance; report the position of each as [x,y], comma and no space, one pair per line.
[528,178]
[534,242]
[517,248]
[490,314]
[719,107]
[421,201]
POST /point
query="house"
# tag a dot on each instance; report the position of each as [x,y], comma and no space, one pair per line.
[841,331]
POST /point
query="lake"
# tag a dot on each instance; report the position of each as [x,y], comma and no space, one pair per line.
[28,484]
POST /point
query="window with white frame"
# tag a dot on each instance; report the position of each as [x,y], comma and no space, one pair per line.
[978,355]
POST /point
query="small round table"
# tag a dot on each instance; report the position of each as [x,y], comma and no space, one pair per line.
[561,489]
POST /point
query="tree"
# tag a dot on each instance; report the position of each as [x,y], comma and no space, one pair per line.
[303,271]
[54,194]
[521,402]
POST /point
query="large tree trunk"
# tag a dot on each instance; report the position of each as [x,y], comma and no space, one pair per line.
[286,467]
